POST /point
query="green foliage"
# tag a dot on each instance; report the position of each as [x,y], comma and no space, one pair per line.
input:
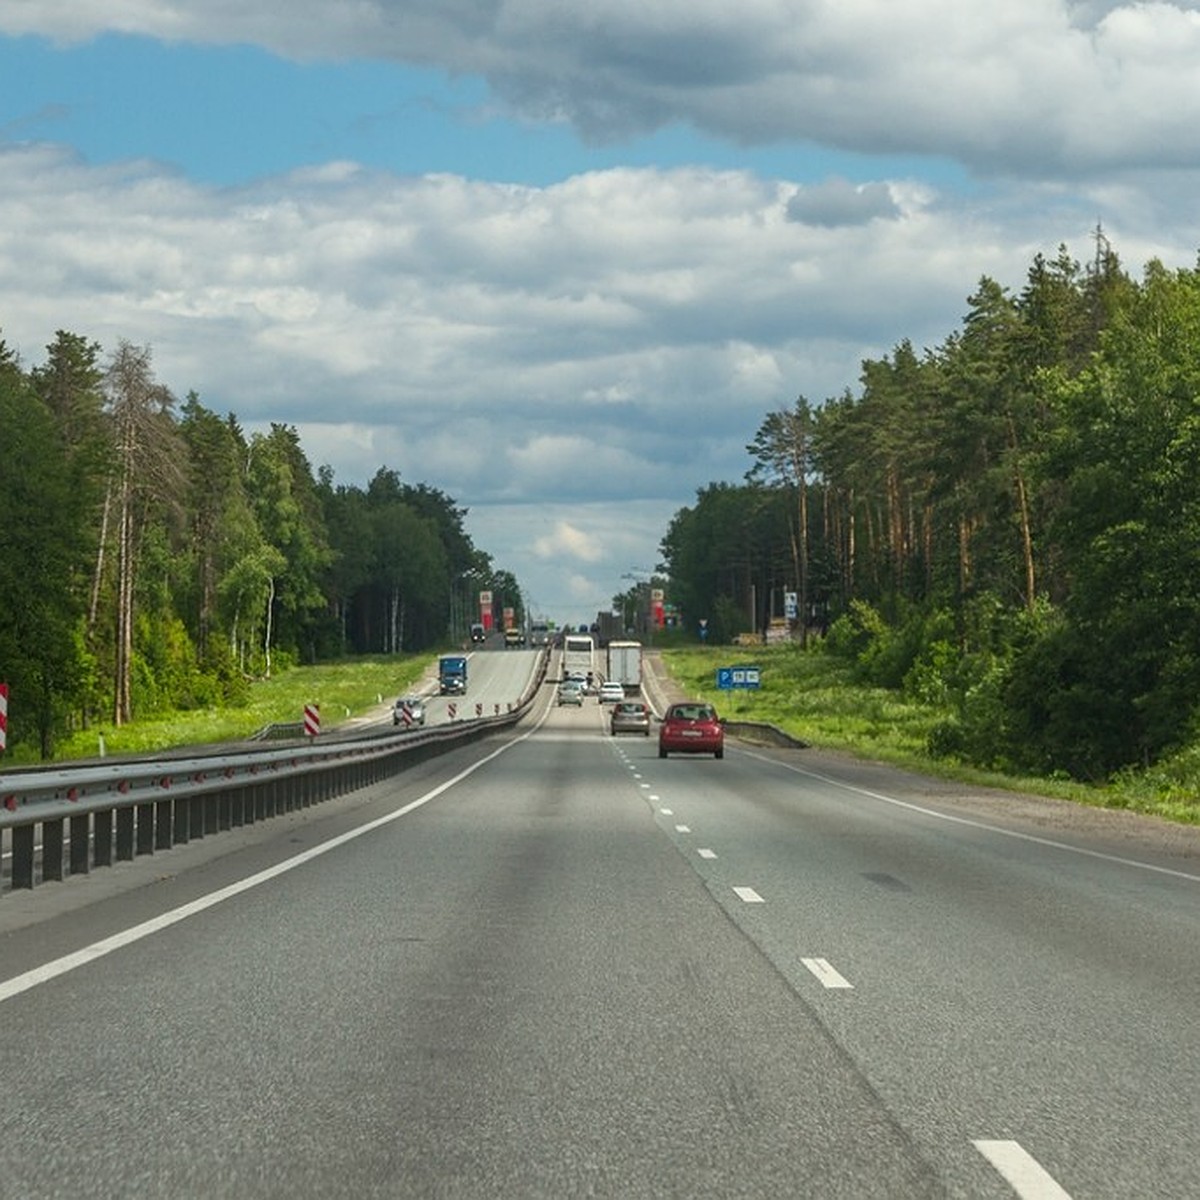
[854,632]
[821,699]
[164,561]
[727,621]
[1009,525]
[348,688]
[893,655]
[40,605]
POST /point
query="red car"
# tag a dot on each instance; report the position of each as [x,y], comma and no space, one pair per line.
[691,728]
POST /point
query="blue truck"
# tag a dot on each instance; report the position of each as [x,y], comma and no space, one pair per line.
[452,675]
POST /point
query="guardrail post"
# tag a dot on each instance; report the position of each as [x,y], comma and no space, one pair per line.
[102,838]
[125,831]
[162,824]
[80,829]
[179,822]
[196,822]
[52,849]
[22,852]
[145,829]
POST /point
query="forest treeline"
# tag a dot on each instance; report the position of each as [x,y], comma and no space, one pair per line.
[1006,525]
[154,557]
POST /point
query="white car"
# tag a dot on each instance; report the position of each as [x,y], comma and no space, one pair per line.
[409,711]
[611,693]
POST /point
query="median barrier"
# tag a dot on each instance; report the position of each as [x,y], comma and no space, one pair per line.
[100,813]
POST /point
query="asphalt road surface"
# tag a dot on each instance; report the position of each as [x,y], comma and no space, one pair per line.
[554,965]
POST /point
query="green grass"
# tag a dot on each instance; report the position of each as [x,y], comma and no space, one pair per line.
[815,698]
[343,690]
[810,695]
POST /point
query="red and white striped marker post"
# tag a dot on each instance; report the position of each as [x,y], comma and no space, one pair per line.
[312,720]
[3,716]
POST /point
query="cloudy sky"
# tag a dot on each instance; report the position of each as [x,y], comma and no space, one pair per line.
[560,258]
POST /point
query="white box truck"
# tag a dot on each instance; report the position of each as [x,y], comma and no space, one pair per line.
[625,665]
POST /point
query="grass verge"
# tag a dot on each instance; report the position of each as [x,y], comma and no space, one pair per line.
[343,690]
[812,696]
[815,698]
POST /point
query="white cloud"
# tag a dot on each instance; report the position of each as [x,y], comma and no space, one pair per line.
[1036,88]
[620,334]
[573,361]
[567,541]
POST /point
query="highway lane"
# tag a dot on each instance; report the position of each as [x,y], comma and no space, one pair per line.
[538,983]
[993,982]
[496,680]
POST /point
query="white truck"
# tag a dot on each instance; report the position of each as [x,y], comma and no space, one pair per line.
[625,665]
[578,655]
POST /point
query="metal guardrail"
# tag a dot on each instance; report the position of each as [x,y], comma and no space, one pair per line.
[94,815]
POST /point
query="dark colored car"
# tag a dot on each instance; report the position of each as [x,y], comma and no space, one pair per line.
[691,728]
[630,716]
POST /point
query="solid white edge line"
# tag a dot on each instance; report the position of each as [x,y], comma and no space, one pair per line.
[826,975]
[1024,1174]
[69,962]
[973,824]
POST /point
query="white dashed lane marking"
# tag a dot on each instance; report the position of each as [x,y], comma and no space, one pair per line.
[707,853]
[1024,1174]
[827,976]
[749,895]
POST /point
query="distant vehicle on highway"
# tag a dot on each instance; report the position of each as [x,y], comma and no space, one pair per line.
[625,665]
[478,633]
[570,691]
[578,654]
[514,636]
[452,675]
[630,716]
[409,711]
[611,692]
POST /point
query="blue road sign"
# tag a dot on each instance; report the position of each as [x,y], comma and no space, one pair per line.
[744,676]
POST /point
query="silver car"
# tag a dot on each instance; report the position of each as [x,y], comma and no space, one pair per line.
[631,716]
[570,692]
[409,711]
